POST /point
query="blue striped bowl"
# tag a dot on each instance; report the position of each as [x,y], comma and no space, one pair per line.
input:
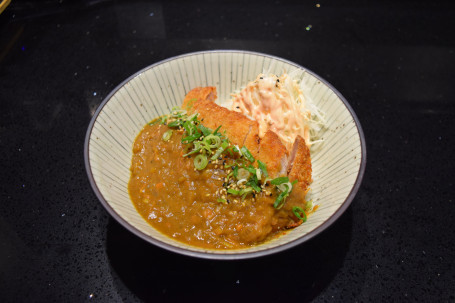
[338,165]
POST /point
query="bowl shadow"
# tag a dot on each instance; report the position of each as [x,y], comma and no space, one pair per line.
[300,273]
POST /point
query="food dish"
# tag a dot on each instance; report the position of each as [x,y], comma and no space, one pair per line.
[203,175]
[337,170]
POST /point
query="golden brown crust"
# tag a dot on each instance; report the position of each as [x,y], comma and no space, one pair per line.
[300,163]
[198,94]
[274,154]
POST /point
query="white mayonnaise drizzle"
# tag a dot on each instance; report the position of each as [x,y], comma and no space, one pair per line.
[277,104]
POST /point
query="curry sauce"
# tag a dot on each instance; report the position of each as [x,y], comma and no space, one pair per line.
[183,202]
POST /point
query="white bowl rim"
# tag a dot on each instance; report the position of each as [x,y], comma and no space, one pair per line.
[234,256]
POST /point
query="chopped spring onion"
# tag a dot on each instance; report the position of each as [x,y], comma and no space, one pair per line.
[222,200]
[196,149]
[233,191]
[167,135]
[215,132]
[309,205]
[242,174]
[212,141]
[279,180]
[254,185]
[200,161]
[285,186]
[178,113]
[258,174]
[191,138]
[220,149]
[263,168]
[246,191]
[247,154]
[251,169]
[241,181]
[176,123]
[235,169]
[237,149]
[193,117]
[206,131]
[299,213]
[190,128]
[279,202]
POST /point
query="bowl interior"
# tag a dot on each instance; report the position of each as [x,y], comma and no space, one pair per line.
[337,166]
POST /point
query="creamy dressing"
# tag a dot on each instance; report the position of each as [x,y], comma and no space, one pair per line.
[277,104]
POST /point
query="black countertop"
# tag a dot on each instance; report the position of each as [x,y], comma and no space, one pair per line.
[394,62]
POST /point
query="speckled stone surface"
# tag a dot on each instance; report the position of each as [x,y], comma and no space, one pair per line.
[393,62]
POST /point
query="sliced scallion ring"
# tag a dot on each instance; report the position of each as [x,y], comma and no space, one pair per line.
[200,161]
[212,141]
[242,174]
[167,135]
[299,213]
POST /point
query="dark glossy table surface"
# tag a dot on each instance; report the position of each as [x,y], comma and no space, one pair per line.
[394,63]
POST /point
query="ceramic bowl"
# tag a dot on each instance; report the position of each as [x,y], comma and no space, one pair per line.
[338,165]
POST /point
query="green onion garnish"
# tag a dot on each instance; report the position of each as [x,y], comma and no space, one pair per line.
[215,132]
[193,117]
[279,180]
[247,154]
[309,205]
[220,149]
[242,174]
[235,169]
[251,169]
[206,131]
[222,200]
[190,128]
[279,202]
[167,135]
[263,168]
[246,191]
[176,123]
[191,138]
[254,185]
[299,213]
[200,161]
[233,191]
[212,141]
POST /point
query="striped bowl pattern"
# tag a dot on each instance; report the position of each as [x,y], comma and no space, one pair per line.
[338,165]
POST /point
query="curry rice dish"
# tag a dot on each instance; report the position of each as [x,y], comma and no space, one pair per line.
[203,176]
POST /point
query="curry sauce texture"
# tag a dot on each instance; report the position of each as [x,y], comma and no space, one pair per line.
[229,199]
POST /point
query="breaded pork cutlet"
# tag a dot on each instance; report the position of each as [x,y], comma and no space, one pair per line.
[242,131]
[299,166]
[239,129]
[274,154]
[198,94]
